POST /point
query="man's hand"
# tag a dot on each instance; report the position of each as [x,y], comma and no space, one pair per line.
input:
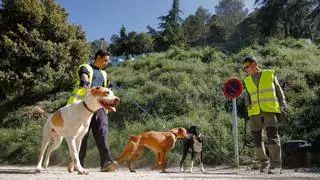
[248,107]
[109,84]
[84,82]
[285,110]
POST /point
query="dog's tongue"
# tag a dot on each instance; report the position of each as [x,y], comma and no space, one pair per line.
[112,109]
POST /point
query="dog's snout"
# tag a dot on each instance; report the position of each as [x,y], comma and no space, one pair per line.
[116,100]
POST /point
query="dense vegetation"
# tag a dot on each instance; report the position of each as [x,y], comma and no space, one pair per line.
[181,86]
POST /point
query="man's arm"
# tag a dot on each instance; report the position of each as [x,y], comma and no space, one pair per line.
[84,77]
[279,91]
[84,80]
[247,100]
[280,96]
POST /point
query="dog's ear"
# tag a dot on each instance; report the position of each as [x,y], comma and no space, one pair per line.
[180,130]
[191,129]
[197,129]
[98,91]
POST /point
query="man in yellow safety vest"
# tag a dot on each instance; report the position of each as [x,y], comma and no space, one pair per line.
[264,102]
[88,76]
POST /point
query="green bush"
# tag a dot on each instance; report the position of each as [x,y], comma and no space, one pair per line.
[20,145]
[183,87]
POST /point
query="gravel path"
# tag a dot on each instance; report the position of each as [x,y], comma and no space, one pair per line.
[56,172]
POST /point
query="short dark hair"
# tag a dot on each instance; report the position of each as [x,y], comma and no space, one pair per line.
[101,53]
[249,59]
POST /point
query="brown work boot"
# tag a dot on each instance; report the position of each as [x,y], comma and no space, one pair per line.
[110,166]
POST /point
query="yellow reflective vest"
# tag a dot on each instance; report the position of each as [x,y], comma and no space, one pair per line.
[263,98]
[79,93]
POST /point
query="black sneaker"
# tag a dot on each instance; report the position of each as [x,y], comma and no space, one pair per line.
[110,166]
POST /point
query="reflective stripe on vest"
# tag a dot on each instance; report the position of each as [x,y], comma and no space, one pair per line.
[79,94]
[264,97]
[104,74]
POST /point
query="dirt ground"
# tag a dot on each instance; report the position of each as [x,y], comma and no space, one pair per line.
[56,172]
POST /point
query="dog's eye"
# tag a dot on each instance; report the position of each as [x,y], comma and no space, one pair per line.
[95,89]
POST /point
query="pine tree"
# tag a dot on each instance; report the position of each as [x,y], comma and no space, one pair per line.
[171,30]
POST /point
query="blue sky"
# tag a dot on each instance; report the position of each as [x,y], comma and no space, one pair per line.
[103,18]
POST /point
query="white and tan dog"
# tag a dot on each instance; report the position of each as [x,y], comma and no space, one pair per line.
[72,122]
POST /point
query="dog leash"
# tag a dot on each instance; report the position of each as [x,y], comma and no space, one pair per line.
[133,101]
[87,89]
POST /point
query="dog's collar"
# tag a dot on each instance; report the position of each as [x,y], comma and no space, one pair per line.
[86,106]
[174,133]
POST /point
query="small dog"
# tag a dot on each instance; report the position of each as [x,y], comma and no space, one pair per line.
[72,122]
[194,145]
[161,143]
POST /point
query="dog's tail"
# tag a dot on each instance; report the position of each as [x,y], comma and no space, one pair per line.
[38,110]
[133,138]
[129,150]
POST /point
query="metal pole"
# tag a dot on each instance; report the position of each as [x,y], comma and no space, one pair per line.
[235,132]
[101,42]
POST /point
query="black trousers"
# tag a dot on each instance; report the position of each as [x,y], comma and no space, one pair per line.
[99,127]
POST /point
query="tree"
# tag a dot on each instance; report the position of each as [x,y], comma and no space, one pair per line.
[299,19]
[230,13]
[314,21]
[119,43]
[152,32]
[96,45]
[247,28]
[196,27]
[143,43]
[216,31]
[171,30]
[39,50]
[131,43]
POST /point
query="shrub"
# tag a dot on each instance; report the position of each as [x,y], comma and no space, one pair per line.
[182,88]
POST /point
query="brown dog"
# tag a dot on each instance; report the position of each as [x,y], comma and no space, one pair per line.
[160,143]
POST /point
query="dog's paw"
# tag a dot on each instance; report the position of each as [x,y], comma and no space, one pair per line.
[164,171]
[181,169]
[202,170]
[83,172]
[70,168]
[38,170]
